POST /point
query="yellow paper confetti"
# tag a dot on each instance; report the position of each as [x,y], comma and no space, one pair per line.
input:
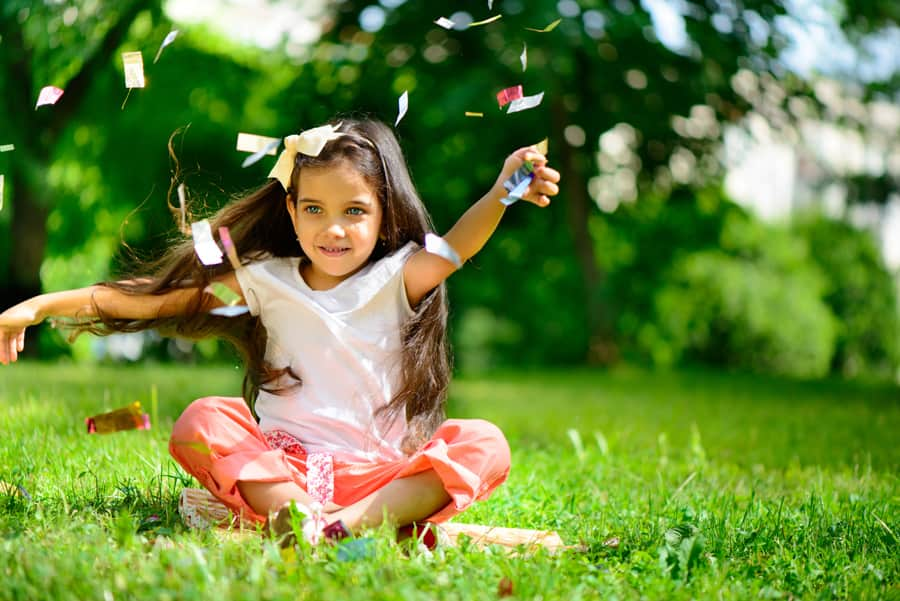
[1,190]
[134,69]
[473,114]
[486,21]
[222,292]
[543,146]
[546,29]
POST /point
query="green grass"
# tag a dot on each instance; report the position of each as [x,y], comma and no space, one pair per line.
[780,489]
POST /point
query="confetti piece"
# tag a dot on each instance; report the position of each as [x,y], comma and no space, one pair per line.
[223,293]
[7,147]
[490,4]
[168,40]
[2,183]
[230,250]
[356,549]
[126,418]
[182,204]
[256,156]
[524,56]
[48,95]
[320,477]
[471,114]
[506,96]
[486,21]
[254,143]
[440,247]
[525,103]
[230,311]
[206,248]
[543,146]
[546,29]
[403,105]
[518,183]
[134,69]
[445,23]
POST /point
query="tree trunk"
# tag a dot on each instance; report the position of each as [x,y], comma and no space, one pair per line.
[575,166]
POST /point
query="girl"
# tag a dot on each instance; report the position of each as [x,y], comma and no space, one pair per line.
[344,342]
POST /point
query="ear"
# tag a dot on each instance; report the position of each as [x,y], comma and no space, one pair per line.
[291,207]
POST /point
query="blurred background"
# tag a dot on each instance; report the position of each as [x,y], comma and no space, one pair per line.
[731,168]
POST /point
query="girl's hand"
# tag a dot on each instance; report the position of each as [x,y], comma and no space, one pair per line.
[542,187]
[13,322]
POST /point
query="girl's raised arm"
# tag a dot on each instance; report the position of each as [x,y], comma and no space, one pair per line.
[80,303]
[424,271]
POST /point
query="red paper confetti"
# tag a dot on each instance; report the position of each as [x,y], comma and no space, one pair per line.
[320,477]
[506,96]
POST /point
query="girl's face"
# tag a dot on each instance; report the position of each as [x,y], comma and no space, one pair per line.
[337,218]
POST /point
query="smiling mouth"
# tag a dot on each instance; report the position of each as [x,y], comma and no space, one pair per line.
[333,251]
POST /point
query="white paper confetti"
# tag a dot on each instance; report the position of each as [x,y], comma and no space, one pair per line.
[7,147]
[182,204]
[48,95]
[134,69]
[490,4]
[228,311]
[525,103]
[445,23]
[524,56]
[169,39]
[260,146]
[206,248]
[403,105]
[2,182]
[440,247]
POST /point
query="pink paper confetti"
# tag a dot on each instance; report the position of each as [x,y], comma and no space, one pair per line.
[320,477]
[48,95]
[506,96]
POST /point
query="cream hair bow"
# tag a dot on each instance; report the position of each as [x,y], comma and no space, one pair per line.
[310,142]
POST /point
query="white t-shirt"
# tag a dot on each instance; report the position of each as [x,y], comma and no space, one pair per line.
[344,343]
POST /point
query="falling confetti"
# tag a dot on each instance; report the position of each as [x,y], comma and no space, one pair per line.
[2,178]
[182,207]
[524,56]
[134,69]
[260,146]
[254,143]
[229,297]
[320,477]
[169,39]
[518,183]
[546,29]
[206,248]
[445,23]
[7,147]
[403,105]
[486,21]
[490,4]
[48,95]
[473,114]
[525,103]
[230,311]
[126,418]
[440,247]
[506,96]
[230,250]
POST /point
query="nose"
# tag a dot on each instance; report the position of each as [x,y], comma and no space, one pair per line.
[336,229]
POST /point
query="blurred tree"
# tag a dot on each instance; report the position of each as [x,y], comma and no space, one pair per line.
[66,45]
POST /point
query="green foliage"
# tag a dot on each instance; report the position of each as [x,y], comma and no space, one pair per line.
[795,497]
[862,295]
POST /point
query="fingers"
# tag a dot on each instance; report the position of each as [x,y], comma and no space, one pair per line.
[21,341]
[10,346]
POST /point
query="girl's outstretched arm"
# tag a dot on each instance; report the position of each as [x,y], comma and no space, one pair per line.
[80,303]
[424,271]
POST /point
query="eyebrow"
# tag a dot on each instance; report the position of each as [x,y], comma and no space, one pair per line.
[354,201]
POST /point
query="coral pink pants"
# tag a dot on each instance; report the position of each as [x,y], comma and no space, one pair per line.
[217,441]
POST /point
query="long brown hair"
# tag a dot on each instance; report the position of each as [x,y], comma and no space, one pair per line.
[260,227]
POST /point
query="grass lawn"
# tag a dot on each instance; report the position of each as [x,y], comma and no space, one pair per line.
[717,486]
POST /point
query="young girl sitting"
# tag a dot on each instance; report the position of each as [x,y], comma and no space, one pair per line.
[344,342]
